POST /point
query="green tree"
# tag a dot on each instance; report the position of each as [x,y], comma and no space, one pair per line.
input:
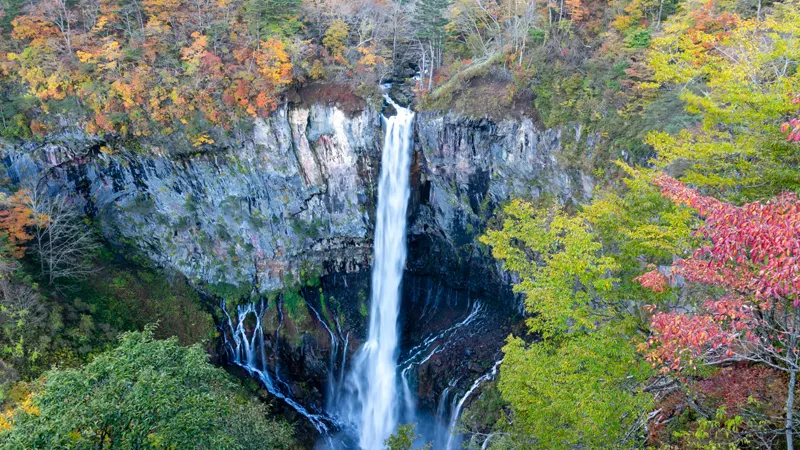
[403,438]
[267,17]
[740,76]
[580,385]
[11,9]
[636,223]
[429,21]
[145,393]
[557,258]
[583,392]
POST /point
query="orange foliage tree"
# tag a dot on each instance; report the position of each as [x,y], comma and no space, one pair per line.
[158,66]
[16,218]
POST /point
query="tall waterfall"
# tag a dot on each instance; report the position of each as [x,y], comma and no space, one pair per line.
[372,401]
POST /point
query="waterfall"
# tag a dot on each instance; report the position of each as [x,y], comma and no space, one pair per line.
[475,312]
[488,376]
[248,353]
[372,402]
[332,385]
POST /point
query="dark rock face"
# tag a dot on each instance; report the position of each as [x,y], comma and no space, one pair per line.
[297,195]
[463,170]
[401,94]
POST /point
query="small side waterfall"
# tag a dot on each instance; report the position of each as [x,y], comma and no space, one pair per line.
[245,347]
[424,351]
[372,401]
[453,437]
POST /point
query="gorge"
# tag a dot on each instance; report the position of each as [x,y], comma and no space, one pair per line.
[286,213]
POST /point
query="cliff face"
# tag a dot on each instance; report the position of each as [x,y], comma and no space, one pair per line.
[297,188]
[296,194]
[466,168]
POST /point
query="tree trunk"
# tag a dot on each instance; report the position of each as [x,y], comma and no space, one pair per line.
[660,11]
[394,43]
[422,70]
[790,409]
[433,67]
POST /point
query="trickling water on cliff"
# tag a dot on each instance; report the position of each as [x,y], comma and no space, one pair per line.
[453,437]
[244,345]
[372,402]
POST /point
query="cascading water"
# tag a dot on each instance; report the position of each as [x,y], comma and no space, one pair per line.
[377,392]
[247,352]
[372,402]
[453,437]
[332,386]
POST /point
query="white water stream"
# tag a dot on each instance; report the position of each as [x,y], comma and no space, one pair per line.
[248,353]
[372,404]
[453,437]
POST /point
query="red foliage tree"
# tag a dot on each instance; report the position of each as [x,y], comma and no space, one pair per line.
[753,258]
[792,126]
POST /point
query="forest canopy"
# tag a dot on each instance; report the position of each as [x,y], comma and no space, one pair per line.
[145,393]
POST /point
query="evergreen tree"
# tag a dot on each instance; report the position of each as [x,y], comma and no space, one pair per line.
[267,17]
[429,20]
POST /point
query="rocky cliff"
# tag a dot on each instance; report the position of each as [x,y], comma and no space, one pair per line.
[465,168]
[297,188]
[293,198]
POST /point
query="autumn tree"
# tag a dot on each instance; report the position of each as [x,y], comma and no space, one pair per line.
[57,13]
[21,306]
[479,26]
[16,221]
[335,39]
[358,38]
[752,260]
[792,126]
[737,75]
[190,57]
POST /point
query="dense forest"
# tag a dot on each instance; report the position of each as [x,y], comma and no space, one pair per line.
[663,313]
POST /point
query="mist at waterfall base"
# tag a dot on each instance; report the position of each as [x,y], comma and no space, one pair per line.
[368,397]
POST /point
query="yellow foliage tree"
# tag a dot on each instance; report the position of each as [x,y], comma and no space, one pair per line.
[336,38]
[736,75]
